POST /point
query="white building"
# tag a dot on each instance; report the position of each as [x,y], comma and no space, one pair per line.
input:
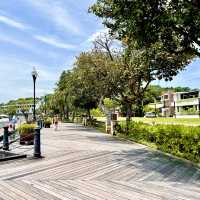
[179,104]
[187,104]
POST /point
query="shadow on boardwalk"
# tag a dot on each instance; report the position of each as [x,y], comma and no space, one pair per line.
[81,163]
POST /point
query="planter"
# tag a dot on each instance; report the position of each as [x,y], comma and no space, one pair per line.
[26,132]
[47,122]
[27,138]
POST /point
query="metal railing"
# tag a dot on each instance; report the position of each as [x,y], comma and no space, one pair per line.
[12,137]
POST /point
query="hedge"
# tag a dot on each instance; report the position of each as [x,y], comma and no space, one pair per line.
[26,128]
[47,121]
[178,140]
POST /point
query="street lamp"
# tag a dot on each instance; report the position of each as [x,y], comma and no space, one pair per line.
[199,105]
[34,75]
[45,104]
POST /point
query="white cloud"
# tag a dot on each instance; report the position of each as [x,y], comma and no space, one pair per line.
[115,45]
[101,34]
[10,22]
[196,46]
[20,44]
[97,34]
[54,42]
[57,12]
[88,43]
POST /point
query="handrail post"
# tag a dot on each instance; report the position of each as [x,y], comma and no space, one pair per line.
[37,145]
[39,124]
[5,139]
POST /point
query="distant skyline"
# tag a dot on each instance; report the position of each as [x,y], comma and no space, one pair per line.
[49,34]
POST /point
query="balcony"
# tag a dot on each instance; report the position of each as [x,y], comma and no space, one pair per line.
[187,102]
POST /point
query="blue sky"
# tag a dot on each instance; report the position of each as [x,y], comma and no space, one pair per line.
[49,34]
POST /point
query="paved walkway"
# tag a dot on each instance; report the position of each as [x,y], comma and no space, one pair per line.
[84,164]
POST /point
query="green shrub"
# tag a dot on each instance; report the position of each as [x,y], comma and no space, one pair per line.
[67,120]
[48,121]
[190,111]
[178,140]
[26,129]
[97,113]
[100,126]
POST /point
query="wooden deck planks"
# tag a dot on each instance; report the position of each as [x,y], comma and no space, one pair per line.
[84,164]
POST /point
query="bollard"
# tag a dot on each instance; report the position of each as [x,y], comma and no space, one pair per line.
[42,123]
[5,139]
[37,149]
[39,123]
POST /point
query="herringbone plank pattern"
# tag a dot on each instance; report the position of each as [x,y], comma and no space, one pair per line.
[84,164]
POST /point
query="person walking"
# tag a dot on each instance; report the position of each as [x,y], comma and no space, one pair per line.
[55,120]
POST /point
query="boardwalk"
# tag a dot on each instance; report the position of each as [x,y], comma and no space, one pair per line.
[84,164]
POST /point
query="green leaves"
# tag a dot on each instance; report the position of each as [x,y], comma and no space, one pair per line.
[26,129]
[178,140]
[158,39]
[174,25]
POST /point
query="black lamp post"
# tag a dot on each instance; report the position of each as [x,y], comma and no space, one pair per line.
[199,105]
[45,103]
[34,75]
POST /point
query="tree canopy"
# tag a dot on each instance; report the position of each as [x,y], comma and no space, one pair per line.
[173,23]
[156,40]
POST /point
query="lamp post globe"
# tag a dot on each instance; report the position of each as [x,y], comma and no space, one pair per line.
[34,75]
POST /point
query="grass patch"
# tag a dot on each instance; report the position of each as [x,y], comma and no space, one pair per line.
[100,126]
[186,121]
[160,120]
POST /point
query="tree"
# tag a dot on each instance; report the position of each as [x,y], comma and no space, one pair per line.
[45,105]
[24,107]
[174,23]
[93,78]
[2,108]
[11,109]
[149,54]
[84,84]
[64,93]
[110,104]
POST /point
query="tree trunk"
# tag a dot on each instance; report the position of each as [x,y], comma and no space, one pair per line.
[67,113]
[128,117]
[73,116]
[139,108]
[89,115]
[63,116]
